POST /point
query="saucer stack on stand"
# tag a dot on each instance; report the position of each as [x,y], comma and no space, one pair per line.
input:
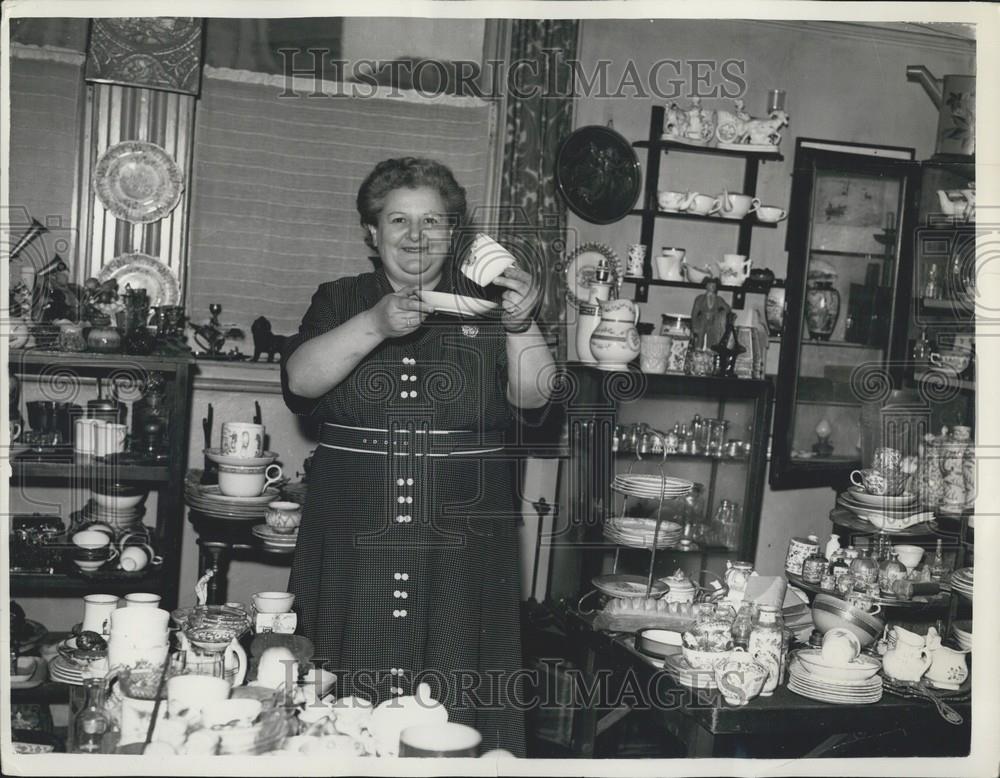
[889,514]
[280,542]
[644,533]
[209,499]
[854,683]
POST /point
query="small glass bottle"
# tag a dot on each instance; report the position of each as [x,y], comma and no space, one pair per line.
[765,645]
[814,567]
[743,625]
[839,566]
[91,722]
[922,349]
[931,288]
[865,569]
[938,568]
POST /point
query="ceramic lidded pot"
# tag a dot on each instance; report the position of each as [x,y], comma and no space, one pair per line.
[682,589]
[615,341]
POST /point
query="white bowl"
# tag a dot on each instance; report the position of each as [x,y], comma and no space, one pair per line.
[703,660]
[117,502]
[860,669]
[91,539]
[273,602]
[910,556]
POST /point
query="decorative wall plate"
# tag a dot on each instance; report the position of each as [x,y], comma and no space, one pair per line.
[581,266]
[598,174]
[141,271]
[138,181]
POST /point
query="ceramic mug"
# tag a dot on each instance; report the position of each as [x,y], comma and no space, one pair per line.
[704,205]
[84,431]
[886,458]
[242,440]
[669,265]
[135,558]
[770,214]
[97,610]
[798,550]
[247,481]
[736,206]
[142,600]
[636,260]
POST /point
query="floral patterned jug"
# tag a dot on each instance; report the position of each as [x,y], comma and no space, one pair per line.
[615,341]
[905,656]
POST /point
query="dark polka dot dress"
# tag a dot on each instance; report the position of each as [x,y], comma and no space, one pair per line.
[406,568]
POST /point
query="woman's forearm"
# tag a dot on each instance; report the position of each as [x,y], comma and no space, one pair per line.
[530,369]
[319,364]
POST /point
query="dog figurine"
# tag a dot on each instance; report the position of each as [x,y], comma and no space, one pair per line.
[265,341]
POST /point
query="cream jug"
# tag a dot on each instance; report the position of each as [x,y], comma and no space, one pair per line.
[235,663]
[948,669]
[733,269]
[905,656]
[736,206]
[615,341]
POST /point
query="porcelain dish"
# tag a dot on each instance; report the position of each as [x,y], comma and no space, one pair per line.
[138,182]
[141,271]
[456,304]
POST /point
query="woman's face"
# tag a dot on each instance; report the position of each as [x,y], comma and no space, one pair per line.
[412,236]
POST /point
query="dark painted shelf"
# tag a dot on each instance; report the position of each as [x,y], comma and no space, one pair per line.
[666,145]
[714,218]
[58,584]
[744,289]
[61,465]
[90,361]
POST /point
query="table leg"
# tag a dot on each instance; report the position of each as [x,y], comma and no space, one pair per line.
[585,716]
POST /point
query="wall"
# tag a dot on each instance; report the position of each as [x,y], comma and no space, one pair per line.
[840,85]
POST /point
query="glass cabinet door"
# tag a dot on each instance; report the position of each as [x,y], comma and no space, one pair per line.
[847,292]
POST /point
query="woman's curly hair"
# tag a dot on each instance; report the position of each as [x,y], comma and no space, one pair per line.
[410,173]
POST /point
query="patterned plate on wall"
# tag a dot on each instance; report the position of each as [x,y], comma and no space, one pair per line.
[141,271]
[138,181]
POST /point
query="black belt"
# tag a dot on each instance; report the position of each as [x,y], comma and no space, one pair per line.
[406,442]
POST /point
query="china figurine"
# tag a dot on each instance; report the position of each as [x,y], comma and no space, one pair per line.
[700,124]
[728,348]
[708,315]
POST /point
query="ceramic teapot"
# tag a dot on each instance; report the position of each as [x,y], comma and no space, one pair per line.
[948,669]
[615,341]
[734,269]
[904,654]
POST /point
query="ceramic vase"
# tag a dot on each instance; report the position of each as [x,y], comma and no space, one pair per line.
[905,657]
[822,310]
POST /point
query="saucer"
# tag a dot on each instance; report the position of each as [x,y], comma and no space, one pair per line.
[215,493]
[456,304]
[215,455]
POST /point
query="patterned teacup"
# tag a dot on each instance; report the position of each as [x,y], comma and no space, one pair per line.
[886,458]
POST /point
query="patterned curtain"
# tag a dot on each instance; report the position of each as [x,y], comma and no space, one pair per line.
[539,116]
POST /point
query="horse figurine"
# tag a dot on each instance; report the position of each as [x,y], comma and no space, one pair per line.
[764,132]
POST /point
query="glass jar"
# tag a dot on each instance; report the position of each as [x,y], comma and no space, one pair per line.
[694,513]
[865,569]
[765,645]
[890,571]
[743,625]
[726,524]
[91,722]
[839,566]
[71,337]
[814,567]
[104,339]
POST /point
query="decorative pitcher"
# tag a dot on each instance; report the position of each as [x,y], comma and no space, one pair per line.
[948,669]
[905,656]
[737,575]
[588,317]
[235,661]
[615,341]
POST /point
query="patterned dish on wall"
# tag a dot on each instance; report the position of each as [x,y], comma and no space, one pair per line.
[598,174]
[138,181]
[141,271]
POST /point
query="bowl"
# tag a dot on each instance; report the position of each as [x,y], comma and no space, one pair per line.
[90,539]
[283,517]
[696,275]
[829,612]
[118,502]
[273,602]
[703,660]
[910,556]
[657,642]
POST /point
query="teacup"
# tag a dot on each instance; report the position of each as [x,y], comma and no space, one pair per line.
[704,205]
[247,481]
[909,556]
[448,739]
[840,646]
[671,201]
[142,600]
[956,360]
[737,206]
[242,440]
[636,260]
[669,265]
[696,275]
[91,539]
[135,558]
[283,517]
[770,214]
[192,693]
[880,483]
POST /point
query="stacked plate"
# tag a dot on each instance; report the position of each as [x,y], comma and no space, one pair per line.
[282,542]
[689,676]
[216,455]
[651,486]
[961,582]
[639,533]
[62,671]
[122,519]
[889,514]
[208,499]
[857,683]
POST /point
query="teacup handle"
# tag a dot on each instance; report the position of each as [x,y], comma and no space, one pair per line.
[275,478]
[754,204]
[125,538]
[857,474]
[875,610]
[113,555]
[716,206]
[15,431]
[935,358]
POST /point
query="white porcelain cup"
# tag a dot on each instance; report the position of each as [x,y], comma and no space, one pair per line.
[142,600]
[739,205]
[247,481]
[840,646]
[669,265]
[670,201]
[97,610]
[84,431]
[140,626]
[91,539]
[770,214]
[109,438]
[192,693]
[135,558]
[242,440]
[704,205]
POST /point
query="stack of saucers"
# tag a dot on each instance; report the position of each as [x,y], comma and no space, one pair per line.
[854,683]
[962,630]
[208,499]
[961,582]
[642,533]
[651,486]
[281,542]
[119,519]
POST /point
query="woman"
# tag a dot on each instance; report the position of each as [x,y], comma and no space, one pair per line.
[406,566]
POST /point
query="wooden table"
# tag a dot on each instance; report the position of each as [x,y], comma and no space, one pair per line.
[784,724]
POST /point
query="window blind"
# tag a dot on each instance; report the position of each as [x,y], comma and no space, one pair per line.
[275,181]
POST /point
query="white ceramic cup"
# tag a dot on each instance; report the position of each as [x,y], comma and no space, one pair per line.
[840,646]
[97,610]
[770,214]
[283,517]
[704,205]
[91,539]
[134,558]
[109,438]
[739,206]
[140,626]
[142,600]
[193,692]
[670,201]
[84,431]
[669,265]
[246,481]
[448,739]
[242,440]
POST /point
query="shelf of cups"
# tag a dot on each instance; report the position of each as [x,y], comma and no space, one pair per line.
[64,465]
[714,218]
[666,145]
[61,584]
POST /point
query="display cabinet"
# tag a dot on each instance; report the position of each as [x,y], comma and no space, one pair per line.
[66,377]
[603,408]
[850,268]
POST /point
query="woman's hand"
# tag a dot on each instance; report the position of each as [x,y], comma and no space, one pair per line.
[399,313]
[520,299]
